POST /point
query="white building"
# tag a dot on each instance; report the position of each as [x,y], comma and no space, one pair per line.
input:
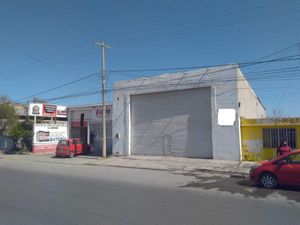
[183,114]
[85,122]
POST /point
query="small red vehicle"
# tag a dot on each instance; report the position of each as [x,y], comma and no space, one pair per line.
[71,147]
[283,170]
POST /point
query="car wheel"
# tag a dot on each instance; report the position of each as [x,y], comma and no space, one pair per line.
[268,180]
[71,154]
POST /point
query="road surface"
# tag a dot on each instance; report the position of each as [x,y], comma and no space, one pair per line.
[58,194]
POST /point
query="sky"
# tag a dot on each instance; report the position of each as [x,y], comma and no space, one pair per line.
[50,43]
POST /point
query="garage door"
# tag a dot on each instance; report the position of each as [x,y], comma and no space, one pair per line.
[176,123]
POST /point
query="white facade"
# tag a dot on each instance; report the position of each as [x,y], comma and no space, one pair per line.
[250,107]
[177,114]
[90,128]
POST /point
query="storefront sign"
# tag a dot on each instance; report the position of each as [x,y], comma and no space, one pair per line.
[49,133]
[98,112]
[47,110]
[61,111]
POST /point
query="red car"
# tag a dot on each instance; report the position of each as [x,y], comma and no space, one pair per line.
[71,147]
[284,169]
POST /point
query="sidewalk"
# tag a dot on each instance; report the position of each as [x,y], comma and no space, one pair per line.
[179,164]
[164,163]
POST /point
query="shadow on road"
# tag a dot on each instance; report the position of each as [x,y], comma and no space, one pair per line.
[245,187]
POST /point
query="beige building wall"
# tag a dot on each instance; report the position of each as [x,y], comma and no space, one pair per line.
[250,106]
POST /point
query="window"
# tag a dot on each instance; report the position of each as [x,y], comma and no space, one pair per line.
[75,132]
[64,142]
[294,159]
[272,137]
[82,120]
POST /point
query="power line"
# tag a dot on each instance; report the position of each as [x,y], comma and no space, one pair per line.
[227,79]
[186,22]
[36,59]
[288,58]
[57,87]
[89,93]
[74,95]
[192,21]
[226,14]
[204,27]
[163,84]
[272,71]
[242,64]
[279,51]
[64,59]
[285,90]
[275,53]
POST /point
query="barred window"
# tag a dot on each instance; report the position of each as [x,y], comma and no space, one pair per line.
[272,137]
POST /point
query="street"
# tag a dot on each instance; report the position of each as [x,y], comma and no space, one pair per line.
[51,193]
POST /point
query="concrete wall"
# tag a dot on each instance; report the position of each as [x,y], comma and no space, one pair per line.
[74,113]
[226,139]
[6,144]
[249,104]
[223,83]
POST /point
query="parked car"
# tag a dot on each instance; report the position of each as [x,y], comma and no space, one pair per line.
[71,147]
[283,170]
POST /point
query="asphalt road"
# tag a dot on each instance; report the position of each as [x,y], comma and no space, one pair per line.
[46,194]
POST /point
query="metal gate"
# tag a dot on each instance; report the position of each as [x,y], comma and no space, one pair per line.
[176,123]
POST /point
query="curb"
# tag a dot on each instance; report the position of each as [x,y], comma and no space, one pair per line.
[239,176]
[128,167]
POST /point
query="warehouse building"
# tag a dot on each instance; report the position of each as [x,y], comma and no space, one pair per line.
[187,114]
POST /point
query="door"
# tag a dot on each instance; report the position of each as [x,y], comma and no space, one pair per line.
[176,123]
[289,172]
[96,138]
[78,146]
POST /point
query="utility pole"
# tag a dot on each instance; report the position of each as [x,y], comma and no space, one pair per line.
[103,78]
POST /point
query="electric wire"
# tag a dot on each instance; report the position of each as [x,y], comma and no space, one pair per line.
[57,87]
[191,21]
[287,58]
[228,79]
[289,83]
[205,27]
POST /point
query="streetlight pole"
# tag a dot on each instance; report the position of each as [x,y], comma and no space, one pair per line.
[103,78]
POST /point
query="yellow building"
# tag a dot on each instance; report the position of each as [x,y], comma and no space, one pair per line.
[261,137]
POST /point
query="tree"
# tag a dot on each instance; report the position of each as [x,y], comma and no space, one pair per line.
[38,100]
[277,113]
[7,115]
[22,131]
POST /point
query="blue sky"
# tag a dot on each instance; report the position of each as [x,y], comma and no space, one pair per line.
[44,44]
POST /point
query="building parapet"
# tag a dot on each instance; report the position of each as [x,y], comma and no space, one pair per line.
[270,122]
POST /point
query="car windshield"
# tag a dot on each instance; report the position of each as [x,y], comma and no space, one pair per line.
[64,142]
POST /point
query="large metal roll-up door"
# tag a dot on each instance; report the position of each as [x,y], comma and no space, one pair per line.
[176,123]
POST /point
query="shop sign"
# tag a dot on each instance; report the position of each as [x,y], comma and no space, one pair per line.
[47,110]
[49,133]
[98,112]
